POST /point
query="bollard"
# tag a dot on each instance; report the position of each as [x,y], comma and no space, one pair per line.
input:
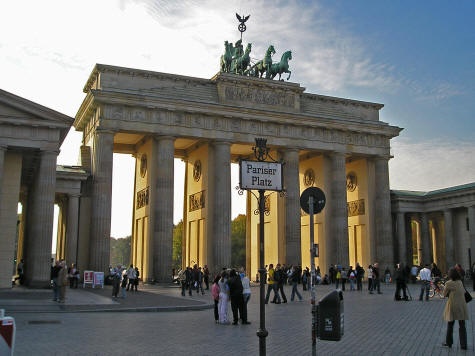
[7,334]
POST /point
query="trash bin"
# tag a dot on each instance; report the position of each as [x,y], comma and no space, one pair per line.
[330,316]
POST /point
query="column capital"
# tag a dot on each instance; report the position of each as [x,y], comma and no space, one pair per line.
[49,152]
[221,142]
[163,137]
[105,131]
[74,195]
[380,158]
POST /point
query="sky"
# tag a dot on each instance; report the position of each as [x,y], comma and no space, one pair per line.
[415,57]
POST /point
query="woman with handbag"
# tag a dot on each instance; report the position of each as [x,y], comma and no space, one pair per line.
[455,309]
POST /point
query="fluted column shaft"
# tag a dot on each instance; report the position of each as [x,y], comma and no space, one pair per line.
[449,238]
[102,162]
[471,226]
[2,161]
[163,208]
[339,211]
[40,226]
[72,229]
[293,250]
[221,204]
[401,237]
[384,245]
[425,239]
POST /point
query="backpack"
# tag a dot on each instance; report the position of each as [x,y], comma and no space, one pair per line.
[277,275]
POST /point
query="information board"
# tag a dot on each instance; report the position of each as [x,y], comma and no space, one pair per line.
[98,279]
[88,278]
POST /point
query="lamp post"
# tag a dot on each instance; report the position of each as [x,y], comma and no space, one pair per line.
[261,175]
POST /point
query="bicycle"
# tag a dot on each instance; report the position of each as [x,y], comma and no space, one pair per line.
[437,287]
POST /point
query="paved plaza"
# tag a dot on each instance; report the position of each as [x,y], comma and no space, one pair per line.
[374,325]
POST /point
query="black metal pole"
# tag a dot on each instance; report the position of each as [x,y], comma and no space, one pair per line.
[262,332]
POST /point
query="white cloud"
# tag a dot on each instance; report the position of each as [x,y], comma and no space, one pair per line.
[430,165]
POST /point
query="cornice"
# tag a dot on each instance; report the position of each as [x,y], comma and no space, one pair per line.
[345,101]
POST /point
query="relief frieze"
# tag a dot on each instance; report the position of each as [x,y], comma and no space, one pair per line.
[143,198]
[356,208]
[197,201]
[259,96]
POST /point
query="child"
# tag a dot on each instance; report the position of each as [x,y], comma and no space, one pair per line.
[124,285]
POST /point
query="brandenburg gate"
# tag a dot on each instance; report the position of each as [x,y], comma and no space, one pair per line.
[339,145]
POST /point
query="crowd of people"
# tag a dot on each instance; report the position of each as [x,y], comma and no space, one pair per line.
[124,279]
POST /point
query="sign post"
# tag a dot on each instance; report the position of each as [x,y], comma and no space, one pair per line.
[88,278]
[261,175]
[313,201]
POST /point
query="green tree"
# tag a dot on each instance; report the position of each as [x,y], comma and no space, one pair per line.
[238,241]
[120,251]
[177,245]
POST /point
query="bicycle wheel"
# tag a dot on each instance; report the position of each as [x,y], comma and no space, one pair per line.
[431,292]
[441,291]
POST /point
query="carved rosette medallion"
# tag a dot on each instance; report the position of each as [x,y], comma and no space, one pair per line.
[197,171]
[143,166]
[309,177]
[351,182]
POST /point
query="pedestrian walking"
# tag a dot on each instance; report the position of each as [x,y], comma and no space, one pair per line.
[455,309]
[123,285]
[206,276]
[337,278]
[62,281]
[182,280]
[137,278]
[376,278]
[387,276]
[352,278]
[425,277]
[370,279]
[246,287]
[21,271]
[359,277]
[238,306]
[223,298]
[189,280]
[116,278]
[279,277]
[293,279]
[131,275]
[215,294]
[272,286]
[344,277]
[414,273]
[400,277]
[54,277]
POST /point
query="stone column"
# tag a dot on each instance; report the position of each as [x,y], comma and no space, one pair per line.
[101,200]
[401,237]
[40,226]
[2,160]
[425,239]
[72,229]
[292,247]
[449,238]
[163,208]
[384,245]
[339,211]
[220,207]
[471,226]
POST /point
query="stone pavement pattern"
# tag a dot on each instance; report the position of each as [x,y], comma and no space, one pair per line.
[374,325]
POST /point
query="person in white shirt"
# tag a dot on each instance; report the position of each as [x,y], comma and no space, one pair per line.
[425,276]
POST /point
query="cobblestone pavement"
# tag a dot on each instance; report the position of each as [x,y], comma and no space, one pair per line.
[374,325]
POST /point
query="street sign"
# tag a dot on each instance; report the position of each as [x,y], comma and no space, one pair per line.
[88,278]
[7,334]
[319,200]
[255,175]
[98,279]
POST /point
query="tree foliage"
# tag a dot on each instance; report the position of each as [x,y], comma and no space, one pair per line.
[177,245]
[120,251]
[238,241]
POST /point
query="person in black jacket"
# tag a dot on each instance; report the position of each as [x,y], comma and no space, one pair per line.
[237,299]
[400,283]
[279,278]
